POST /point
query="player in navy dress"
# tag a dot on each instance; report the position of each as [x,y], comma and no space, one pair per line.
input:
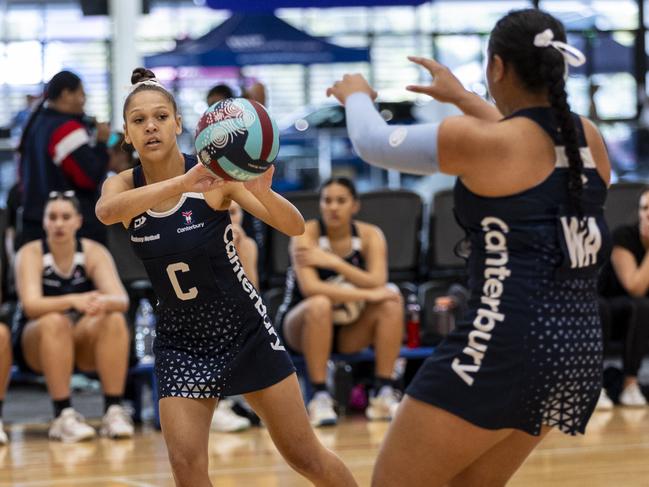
[214,336]
[531,186]
[71,315]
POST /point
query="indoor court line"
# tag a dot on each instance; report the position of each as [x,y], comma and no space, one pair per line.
[135,478]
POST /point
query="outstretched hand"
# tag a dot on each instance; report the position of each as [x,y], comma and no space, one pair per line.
[200,179]
[351,83]
[261,183]
[444,87]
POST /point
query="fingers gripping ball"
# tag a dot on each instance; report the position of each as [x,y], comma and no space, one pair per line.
[237,139]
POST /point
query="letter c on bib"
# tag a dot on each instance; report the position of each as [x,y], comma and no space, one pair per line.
[171,272]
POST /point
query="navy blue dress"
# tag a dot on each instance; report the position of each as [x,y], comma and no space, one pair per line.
[529,350]
[213,336]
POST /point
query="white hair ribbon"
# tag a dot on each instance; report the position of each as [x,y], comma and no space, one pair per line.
[148,82]
[572,55]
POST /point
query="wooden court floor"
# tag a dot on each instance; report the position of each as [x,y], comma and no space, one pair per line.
[614,453]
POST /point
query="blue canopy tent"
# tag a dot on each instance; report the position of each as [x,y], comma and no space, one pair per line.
[270,5]
[251,39]
[604,55]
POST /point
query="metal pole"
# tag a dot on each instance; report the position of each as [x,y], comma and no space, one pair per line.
[124,57]
[641,58]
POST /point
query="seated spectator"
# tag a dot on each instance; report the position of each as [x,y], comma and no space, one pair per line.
[71,314]
[5,370]
[626,289]
[120,154]
[225,418]
[218,93]
[337,299]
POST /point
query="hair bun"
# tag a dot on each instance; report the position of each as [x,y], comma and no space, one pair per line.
[141,74]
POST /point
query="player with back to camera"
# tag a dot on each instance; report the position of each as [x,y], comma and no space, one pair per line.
[531,186]
[320,313]
[213,336]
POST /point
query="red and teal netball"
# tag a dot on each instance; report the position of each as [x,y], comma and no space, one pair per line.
[237,139]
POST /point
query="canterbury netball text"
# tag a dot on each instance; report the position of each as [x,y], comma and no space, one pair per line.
[247,286]
[496,272]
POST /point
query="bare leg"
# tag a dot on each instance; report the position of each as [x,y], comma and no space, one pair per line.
[427,446]
[48,347]
[283,412]
[101,344]
[381,325]
[308,328]
[5,359]
[186,427]
[498,464]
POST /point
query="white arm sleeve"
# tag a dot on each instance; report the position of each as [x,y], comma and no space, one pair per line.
[406,148]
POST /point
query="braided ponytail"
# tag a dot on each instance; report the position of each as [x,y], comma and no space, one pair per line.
[28,126]
[552,71]
[542,69]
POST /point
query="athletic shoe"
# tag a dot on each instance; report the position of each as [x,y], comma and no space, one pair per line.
[632,396]
[70,427]
[4,439]
[225,420]
[384,405]
[604,402]
[243,409]
[321,410]
[116,423]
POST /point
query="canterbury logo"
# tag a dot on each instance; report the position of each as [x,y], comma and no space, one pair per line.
[583,241]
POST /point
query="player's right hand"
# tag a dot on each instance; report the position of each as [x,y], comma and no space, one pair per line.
[444,87]
[83,302]
[382,293]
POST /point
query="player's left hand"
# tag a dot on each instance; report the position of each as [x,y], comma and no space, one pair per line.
[261,183]
[351,83]
[97,304]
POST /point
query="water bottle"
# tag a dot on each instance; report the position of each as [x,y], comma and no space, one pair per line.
[413,338]
[343,383]
[145,322]
[443,316]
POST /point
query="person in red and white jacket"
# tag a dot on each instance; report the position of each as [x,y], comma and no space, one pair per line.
[57,153]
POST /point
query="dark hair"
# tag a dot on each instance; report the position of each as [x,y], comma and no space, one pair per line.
[60,82]
[143,74]
[117,142]
[224,91]
[64,196]
[346,182]
[541,69]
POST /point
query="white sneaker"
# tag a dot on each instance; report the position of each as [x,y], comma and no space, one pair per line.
[321,410]
[225,420]
[116,423]
[4,439]
[632,396]
[70,427]
[384,405]
[604,402]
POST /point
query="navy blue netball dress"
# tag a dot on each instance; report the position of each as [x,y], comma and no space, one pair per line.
[55,283]
[292,294]
[529,350]
[213,335]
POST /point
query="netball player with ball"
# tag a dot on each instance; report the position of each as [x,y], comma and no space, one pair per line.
[214,337]
[337,300]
